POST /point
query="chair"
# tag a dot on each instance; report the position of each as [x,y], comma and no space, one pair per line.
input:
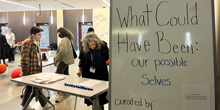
[53,46]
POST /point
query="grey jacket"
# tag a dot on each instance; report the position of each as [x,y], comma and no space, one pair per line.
[64,52]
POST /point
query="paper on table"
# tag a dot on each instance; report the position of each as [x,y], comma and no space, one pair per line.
[48,78]
[196,97]
[90,83]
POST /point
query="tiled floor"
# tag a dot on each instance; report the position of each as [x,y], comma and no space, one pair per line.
[10,92]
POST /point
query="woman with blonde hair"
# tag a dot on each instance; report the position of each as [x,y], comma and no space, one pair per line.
[92,64]
[64,56]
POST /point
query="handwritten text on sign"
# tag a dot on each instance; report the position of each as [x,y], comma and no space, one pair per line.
[158,19]
[164,45]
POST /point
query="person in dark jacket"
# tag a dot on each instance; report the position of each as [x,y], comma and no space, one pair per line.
[4,48]
[92,64]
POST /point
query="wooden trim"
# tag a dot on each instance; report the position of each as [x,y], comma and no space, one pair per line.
[2,25]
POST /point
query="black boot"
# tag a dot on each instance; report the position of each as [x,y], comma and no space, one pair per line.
[102,108]
[4,62]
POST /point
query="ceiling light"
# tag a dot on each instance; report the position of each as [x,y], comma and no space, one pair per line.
[51,18]
[24,18]
[83,19]
[18,4]
[106,2]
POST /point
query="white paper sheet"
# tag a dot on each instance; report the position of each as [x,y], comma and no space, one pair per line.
[196,97]
[90,83]
[47,78]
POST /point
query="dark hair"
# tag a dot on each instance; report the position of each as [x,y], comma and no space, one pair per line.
[34,30]
[90,30]
[64,32]
[0,30]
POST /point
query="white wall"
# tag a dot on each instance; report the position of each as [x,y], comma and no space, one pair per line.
[59,23]
[101,19]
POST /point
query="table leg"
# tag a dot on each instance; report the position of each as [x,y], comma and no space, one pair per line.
[29,99]
[75,103]
[36,94]
[42,96]
[96,104]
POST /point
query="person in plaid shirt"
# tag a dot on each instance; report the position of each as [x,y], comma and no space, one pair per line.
[31,63]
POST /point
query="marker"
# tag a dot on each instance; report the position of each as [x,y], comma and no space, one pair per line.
[79,87]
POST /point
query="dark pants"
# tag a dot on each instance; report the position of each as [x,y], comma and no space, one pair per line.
[102,100]
[27,94]
[12,57]
[62,68]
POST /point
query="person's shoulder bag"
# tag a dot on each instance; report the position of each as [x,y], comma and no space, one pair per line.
[74,52]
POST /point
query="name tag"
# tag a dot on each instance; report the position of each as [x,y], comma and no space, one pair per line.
[92,70]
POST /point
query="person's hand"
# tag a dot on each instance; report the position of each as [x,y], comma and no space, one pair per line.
[79,73]
[10,46]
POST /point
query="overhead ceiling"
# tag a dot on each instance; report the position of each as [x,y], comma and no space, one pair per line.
[32,5]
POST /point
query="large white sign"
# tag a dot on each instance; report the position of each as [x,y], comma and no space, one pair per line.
[157,47]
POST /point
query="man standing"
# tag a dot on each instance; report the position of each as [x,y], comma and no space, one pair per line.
[10,37]
[90,30]
[31,64]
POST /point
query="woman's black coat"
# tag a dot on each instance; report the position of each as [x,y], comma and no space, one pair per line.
[83,63]
[4,48]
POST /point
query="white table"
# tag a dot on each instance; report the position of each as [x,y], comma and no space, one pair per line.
[49,62]
[59,87]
